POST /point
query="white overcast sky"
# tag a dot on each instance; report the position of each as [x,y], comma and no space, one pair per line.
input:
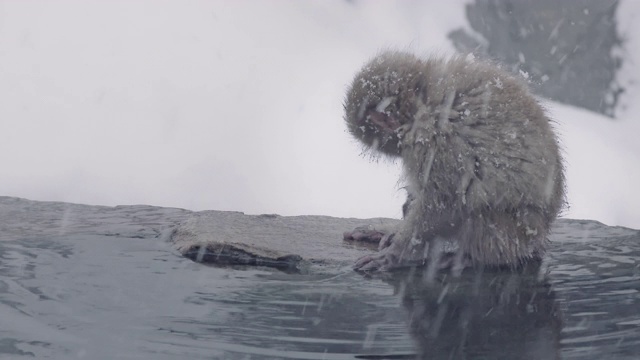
[237,105]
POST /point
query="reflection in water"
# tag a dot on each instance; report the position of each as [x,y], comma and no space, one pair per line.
[107,287]
[487,314]
[95,296]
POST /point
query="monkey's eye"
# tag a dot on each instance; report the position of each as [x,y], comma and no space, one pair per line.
[382,105]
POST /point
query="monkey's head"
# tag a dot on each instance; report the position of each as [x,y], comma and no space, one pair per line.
[380,100]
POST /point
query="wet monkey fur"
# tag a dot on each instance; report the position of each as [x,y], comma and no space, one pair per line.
[481,161]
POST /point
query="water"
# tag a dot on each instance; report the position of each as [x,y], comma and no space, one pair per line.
[116,289]
[97,297]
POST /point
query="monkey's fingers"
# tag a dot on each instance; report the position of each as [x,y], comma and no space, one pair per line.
[366,264]
[386,241]
[375,262]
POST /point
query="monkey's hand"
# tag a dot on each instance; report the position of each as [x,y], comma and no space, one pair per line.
[380,261]
[392,254]
[386,241]
[401,253]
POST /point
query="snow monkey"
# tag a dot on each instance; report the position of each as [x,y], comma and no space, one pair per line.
[481,162]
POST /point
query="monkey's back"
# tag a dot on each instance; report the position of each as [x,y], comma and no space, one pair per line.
[483,147]
[491,137]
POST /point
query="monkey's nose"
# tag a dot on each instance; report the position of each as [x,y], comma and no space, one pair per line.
[383,122]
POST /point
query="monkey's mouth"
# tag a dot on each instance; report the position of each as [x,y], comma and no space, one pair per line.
[384,123]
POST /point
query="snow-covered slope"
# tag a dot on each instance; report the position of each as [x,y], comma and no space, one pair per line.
[602,165]
[236,105]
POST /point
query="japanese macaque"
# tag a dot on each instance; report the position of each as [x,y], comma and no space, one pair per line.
[481,161]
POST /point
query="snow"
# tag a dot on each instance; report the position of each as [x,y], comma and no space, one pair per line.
[602,165]
[237,105]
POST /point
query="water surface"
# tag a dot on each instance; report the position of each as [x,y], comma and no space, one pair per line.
[114,288]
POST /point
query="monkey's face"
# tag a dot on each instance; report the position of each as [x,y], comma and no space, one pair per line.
[377,125]
[375,105]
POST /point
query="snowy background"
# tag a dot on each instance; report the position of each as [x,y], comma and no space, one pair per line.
[237,105]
